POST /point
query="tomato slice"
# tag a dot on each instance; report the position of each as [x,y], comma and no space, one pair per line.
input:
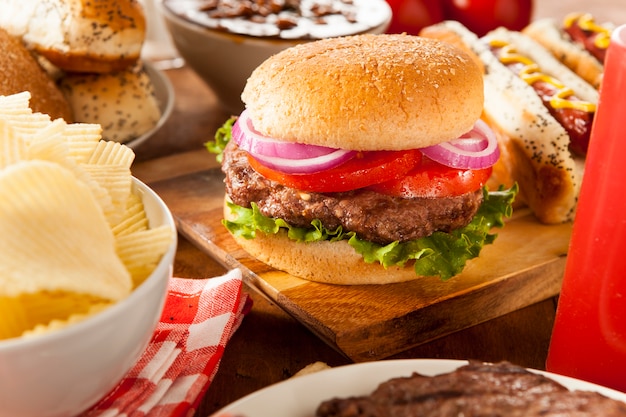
[366,168]
[432,180]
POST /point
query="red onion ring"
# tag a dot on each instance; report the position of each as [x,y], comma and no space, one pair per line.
[251,140]
[288,157]
[306,165]
[476,149]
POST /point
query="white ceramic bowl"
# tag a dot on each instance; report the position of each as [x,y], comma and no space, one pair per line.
[225,60]
[63,373]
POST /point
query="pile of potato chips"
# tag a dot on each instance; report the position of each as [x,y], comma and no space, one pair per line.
[74,237]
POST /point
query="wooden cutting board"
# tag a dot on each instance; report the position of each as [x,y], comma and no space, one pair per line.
[522,267]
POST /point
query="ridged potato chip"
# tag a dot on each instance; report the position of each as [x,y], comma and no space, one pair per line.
[140,251]
[15,110]
[54,235]
[27,311]
[82,140]
[111,153]
[12,148]
[57,324]
[134,218]
[74,238]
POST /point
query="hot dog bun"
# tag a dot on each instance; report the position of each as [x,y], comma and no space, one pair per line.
[79,35]
[534,145]
[19,71]
[551,35]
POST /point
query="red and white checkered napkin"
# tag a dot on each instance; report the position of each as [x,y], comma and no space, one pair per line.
[170,378]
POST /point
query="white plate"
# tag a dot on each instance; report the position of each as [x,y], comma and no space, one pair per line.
[165,97]
[300,396]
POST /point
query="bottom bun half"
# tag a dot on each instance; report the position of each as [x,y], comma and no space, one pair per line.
[325,262]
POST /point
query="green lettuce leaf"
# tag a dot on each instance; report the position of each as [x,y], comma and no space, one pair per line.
[441,254]
[221,139]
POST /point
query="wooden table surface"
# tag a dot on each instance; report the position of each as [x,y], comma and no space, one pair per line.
[270,345]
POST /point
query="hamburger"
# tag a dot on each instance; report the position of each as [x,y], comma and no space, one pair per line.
[362,160]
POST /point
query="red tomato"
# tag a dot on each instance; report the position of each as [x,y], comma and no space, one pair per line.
[411,16]
[363,170]
[432,180]
[481,16]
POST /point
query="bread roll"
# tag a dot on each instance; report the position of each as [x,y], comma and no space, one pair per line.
[122,102]
[19,71]
[350,92]
[79,35]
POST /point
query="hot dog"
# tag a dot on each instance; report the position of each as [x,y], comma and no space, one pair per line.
[541,111]
[557,93]
[578,41]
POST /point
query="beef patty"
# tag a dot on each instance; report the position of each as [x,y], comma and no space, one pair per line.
[372,216]
[475,390]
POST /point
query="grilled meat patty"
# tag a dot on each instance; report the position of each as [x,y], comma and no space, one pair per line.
[372,216]
[474,390]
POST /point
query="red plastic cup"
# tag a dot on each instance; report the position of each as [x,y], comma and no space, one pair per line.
[589,336]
